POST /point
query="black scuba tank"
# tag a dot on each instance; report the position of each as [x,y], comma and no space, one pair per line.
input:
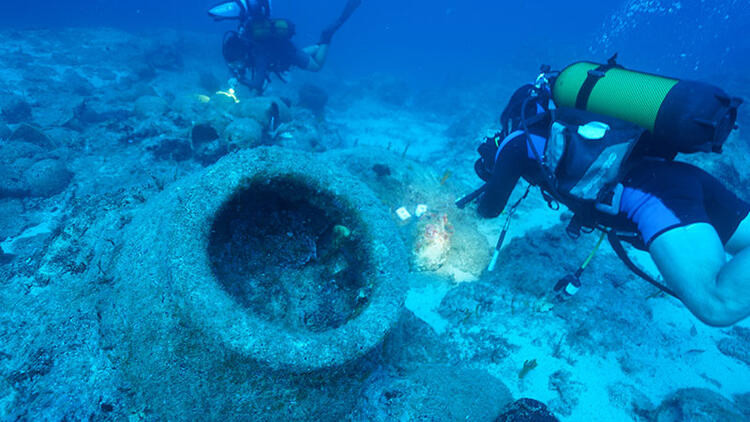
[682,116]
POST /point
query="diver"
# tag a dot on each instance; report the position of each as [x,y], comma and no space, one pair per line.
[684,217]
[262,46]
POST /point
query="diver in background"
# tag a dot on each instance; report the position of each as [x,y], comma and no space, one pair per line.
[684,217]
[263,46]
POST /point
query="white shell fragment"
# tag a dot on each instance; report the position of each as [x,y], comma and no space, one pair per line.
[403,214]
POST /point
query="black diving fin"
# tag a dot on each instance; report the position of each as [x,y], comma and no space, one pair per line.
[327,34]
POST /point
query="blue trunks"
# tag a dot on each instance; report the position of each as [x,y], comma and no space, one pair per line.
[663,195]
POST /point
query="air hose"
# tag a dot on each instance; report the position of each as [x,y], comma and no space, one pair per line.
[571,283]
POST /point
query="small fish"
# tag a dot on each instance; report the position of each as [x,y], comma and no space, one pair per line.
[445,177]
[655,295]
[203,98]
[527,367]
[286,135]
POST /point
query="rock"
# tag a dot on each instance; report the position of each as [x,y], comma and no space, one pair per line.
[209,153]
[11,217]
[32,135]
[203,133]
[626,396]
[150,106]
[8,397]
[38,365]
[413,342]
[526,410]
[743,402]
[433,242]
[244,133]
[381,170]
[16,111]
[47,177]
[697,405]
[313,98]
[87,114]
[54,115]
[466,305]
[301,136]
[196,107]
[172,149]
[77,84]
[12,151]
[568,390]
[208,147]
[14,184]
[270,112]
[468,256]
[469,298]
[66,136]
[406,182]
[39,74]
[433,393]
[737,345]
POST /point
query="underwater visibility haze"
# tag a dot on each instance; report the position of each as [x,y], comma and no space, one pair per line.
[375,210]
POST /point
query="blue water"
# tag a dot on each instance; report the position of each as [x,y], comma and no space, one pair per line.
[469,39]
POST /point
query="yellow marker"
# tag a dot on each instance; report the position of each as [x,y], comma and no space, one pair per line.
[229,93]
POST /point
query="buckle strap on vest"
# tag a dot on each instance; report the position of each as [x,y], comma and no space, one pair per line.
[593,77]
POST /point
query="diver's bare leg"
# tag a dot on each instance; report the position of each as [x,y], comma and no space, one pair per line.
[693,263]
[740,240]
[318,55]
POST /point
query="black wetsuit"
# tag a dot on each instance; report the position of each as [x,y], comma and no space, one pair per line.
[269,56]
[254,60]
[659,194]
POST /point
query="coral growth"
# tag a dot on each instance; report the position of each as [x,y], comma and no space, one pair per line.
[433,242]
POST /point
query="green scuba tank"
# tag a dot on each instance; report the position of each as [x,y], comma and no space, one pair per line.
[268,29]
[682,116]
